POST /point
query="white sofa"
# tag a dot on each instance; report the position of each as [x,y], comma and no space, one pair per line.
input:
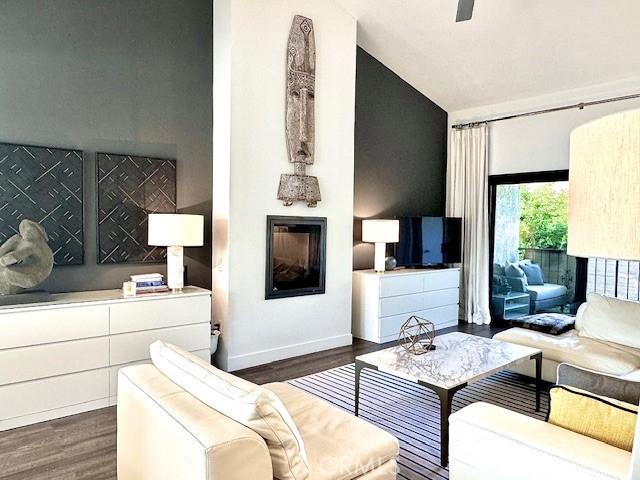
[606,339]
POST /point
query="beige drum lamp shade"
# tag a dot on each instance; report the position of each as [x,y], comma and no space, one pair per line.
[385,231]
[176,229]
[604,188]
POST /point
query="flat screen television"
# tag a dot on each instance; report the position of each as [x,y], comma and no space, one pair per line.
[429,241]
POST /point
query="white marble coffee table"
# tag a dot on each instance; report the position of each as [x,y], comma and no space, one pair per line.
[459,360]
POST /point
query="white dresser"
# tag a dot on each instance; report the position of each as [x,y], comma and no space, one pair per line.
[62,357]
[382,302]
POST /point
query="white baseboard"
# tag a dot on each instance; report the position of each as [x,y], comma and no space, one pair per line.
[238,362]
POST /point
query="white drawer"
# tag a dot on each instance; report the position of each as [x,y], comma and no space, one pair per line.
[440,298]
[447,315]
[391,325]
[400,285]
[113,371]
[133,347]
[50,393]
[159,313]
[441,279]
[30,363]
[21,329]
[442,315]
[411,303]
[402,304]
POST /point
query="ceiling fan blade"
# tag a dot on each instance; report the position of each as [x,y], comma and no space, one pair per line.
[465,10]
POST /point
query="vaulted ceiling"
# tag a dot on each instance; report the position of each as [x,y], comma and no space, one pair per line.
[509,50]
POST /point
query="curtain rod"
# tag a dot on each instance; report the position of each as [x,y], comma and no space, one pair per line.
[547,110]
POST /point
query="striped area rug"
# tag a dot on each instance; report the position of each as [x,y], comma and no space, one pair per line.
[412,413]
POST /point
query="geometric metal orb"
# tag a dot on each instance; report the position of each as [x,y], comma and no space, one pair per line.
[417,335]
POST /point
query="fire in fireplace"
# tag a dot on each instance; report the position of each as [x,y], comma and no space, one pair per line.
[296,256]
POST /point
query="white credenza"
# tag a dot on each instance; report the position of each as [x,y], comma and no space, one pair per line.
[62,357]
[382,302]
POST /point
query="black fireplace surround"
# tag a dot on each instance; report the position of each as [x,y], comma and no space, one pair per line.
[296,256]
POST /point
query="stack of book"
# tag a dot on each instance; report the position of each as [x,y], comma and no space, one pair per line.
[149,283]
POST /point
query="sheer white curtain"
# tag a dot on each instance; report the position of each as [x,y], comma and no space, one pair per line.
[468,197]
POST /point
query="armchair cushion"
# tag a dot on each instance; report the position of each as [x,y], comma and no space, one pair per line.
[254,407]
[571,348]
[340,446]
[611,320]
[546,292]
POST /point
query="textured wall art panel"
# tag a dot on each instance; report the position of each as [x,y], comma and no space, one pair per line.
[129,189]
[44,185]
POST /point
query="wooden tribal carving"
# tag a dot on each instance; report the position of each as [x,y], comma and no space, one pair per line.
[300,121]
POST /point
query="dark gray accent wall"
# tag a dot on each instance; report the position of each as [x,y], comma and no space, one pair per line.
[400,151]
[120,76]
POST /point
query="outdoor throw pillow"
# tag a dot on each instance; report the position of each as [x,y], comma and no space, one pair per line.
[610,421]
[533,273]
[513,270]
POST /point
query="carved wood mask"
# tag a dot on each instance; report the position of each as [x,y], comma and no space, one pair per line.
[300,121]
[301,77]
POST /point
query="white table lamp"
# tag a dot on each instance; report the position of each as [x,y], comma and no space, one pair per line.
[175,231]
[380,232]
[604,188]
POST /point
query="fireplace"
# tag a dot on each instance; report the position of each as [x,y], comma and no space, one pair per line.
[296,256]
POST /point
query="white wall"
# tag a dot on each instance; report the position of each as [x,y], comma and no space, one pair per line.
[541,143]
[257,331]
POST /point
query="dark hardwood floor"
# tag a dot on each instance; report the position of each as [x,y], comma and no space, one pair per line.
[83,446]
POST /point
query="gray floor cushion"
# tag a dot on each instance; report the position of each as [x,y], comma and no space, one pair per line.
[551,323]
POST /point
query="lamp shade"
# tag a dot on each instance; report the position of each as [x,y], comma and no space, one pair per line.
[176,229]
[604,188]
[380,231]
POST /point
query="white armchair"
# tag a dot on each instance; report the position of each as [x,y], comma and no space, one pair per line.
[489,442]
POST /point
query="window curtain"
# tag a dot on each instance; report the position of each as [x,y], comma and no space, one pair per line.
[468,197]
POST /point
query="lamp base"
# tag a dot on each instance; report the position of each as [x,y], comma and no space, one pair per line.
[175,269]
[380,252]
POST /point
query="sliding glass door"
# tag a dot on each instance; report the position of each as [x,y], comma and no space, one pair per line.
[531,271]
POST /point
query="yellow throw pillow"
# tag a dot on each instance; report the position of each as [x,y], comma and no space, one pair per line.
[601,418]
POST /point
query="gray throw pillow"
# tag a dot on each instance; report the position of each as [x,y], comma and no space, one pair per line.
[533,273]
[514,271]
[599,383]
